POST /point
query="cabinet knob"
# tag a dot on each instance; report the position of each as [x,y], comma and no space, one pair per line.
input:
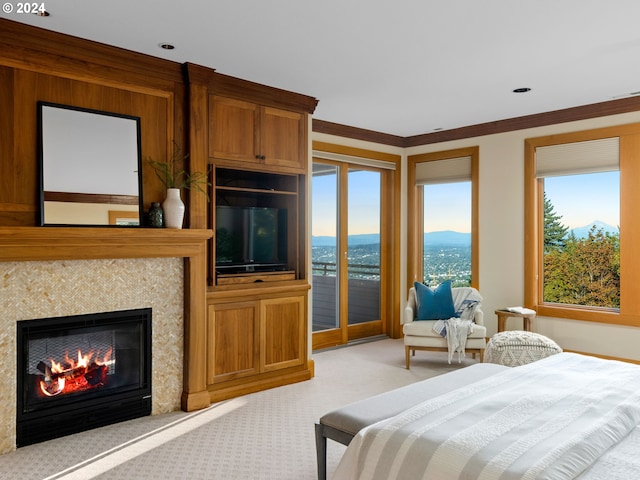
[260,157]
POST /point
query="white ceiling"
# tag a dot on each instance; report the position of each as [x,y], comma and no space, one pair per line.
[402,67]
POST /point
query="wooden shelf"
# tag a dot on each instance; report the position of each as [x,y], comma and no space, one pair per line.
[255,277]
[79,243]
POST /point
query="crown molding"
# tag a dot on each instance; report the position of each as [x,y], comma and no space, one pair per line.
[602,109]
[322,126]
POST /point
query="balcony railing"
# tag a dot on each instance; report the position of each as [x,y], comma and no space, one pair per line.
[363,294]
[356,270]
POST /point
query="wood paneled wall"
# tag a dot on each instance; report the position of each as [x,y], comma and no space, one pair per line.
[36,64]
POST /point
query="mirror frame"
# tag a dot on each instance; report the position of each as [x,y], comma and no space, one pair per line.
[105,197]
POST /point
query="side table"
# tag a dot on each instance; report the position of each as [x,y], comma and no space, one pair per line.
[503,314]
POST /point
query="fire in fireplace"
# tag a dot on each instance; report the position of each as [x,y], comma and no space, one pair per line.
[80,372]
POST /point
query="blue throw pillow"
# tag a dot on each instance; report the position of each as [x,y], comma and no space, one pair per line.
[436,303]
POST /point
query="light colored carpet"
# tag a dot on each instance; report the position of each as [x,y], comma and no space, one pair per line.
[266,435]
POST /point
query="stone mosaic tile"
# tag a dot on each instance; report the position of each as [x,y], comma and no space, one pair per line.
[30,290]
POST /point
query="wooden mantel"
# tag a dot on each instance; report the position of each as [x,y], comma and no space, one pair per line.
[84,243]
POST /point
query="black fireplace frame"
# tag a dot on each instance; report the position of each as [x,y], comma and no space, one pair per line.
[82,412]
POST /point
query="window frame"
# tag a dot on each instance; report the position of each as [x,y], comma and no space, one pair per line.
[415,212]
[629,311]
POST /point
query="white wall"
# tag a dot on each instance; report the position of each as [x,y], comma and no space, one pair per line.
[501,233]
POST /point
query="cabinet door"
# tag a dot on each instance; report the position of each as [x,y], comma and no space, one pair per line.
[233,129]
[282,138]
[233,341]
[283,332]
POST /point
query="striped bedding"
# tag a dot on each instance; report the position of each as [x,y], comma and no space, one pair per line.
[552,419]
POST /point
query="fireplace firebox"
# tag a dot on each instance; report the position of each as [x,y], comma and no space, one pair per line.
[81,372]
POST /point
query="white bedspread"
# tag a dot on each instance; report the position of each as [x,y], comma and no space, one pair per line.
[551,419]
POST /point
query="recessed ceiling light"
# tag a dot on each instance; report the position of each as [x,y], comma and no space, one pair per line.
[521,90]
[626,95]
[166,46]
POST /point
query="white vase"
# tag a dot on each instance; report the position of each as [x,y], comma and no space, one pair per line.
[173,208]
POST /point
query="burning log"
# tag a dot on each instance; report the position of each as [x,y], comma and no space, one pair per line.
[73,377]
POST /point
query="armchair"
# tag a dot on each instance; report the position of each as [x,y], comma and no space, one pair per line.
[419,334]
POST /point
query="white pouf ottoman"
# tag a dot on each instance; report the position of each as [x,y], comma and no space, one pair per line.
[513,348]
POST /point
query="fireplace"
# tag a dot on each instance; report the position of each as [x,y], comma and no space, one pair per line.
[81,372]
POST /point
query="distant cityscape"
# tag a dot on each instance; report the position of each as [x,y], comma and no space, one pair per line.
[447,255]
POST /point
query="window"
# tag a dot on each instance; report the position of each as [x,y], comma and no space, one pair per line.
[447,233]
[581,243]
[580,226]
[443,206]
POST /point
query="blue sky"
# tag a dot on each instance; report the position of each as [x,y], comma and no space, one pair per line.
[323,205]
[579,199]
[447,207]
[364,202]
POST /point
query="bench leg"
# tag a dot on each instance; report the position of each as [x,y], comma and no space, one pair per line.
[321,452]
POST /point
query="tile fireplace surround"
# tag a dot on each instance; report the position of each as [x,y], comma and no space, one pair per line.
[51,288]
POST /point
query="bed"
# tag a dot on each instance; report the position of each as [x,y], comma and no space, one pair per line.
[564,417]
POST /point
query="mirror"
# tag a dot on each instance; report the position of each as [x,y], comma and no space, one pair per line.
[90,165]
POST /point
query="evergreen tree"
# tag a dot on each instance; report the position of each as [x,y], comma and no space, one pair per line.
[580,271]
[554,231]
[585,272]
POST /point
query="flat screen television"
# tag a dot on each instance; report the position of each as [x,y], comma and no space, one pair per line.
[250,239]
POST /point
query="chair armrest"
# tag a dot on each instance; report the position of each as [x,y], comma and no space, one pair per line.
[410,309]
[478,317]
[409,315]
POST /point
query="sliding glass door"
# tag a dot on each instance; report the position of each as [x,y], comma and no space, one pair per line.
[346,252]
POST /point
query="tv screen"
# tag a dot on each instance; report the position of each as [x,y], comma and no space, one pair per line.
[251,236]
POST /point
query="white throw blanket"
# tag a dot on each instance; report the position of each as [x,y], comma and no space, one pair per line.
[457,329]
[465,301]
[456,332]
[549,419]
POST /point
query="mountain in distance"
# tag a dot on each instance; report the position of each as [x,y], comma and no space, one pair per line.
[361,239]
[445,237]
[448,238]
[583,232]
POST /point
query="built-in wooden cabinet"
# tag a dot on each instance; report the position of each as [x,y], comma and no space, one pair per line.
[252,134]
[283,138]
[254,141]
[233,347]
[256,336]
[256,339]
[283,332]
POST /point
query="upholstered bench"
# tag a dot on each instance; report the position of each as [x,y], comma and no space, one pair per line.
[344,423]
[513,348]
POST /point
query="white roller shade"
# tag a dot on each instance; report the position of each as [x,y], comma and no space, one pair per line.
[592,156]
[450,170]
[369,162]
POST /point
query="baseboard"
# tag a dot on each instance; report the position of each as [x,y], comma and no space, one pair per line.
[225,391]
